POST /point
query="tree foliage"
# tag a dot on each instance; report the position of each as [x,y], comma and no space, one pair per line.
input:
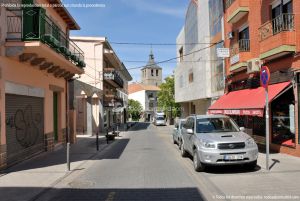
[135,109]
[166,97]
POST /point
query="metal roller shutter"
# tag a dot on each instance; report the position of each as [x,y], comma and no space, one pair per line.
[24,127]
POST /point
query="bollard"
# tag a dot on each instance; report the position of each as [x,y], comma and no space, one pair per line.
[97,141]
[68,157]
[107,136]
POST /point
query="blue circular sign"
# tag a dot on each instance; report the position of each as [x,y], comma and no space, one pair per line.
[264,76]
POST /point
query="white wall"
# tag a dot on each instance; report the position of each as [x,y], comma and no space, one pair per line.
[93,56]
[200,88]
[139,96]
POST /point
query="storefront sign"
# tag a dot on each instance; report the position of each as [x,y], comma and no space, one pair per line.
[245,112]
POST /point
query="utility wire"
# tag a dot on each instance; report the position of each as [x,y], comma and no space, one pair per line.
[157,44]
[171,59]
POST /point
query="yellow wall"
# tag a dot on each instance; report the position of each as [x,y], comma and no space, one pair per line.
[22,73]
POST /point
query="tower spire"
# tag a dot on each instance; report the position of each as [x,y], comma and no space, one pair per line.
[151,56]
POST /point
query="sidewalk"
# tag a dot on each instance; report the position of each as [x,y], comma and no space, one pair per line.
[46,169]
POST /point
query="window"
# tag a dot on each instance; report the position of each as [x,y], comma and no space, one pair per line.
[191,77]
[282,16]
[244,42]
[216,125]
[156,72]
[152,72]
[181,54]
[283,119]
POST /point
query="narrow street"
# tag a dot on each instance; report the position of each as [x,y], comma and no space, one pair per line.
[145,165]
[142,165]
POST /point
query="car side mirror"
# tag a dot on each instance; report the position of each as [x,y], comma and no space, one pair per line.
[242,129]
[190,131]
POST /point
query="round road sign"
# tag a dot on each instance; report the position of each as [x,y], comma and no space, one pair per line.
[264,76]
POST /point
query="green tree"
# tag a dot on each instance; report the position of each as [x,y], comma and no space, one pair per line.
[135,109]
[166,98]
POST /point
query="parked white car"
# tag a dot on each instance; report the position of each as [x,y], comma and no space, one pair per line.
[217,140]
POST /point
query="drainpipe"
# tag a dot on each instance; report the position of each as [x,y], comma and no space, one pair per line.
[100,125]
[67,126]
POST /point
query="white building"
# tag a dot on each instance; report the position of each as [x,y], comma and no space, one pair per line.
[106,72]
[147,96]
[193,73]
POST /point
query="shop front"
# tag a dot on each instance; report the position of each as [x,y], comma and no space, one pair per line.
[247,108]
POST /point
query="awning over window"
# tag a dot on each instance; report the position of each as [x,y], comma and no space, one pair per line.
[249,102]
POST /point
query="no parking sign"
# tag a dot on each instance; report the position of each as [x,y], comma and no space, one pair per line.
[264,76]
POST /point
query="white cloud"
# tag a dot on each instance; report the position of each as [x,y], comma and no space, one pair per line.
[154,7]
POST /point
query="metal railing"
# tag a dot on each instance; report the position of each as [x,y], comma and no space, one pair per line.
[228,3]
[113,75]
[46,31]
[242,45]
[283,22]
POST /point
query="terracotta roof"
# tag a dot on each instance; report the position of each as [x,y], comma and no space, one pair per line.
[135,87]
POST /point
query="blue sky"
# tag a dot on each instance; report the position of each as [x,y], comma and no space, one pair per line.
[146,21]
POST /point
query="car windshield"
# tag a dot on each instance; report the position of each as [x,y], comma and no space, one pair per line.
[159,118]
[215,125]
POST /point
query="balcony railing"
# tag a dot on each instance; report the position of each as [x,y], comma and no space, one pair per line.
[243,45]
[41,28]
[284,22]
[228,3]
[115,77]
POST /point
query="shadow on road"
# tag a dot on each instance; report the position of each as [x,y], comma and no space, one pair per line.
[82,193]
[141,126]
[79,152]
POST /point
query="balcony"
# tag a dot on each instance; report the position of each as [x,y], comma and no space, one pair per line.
[111,99]
[236,9]
[113,78]
[278,37]
[32,37]
[240,54]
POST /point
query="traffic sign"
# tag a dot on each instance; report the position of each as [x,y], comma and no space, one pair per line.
[264,76]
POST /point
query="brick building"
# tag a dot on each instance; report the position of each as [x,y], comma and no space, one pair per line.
[263,32]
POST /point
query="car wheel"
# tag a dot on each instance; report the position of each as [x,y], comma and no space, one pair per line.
[183,152]
[252,165]
[198,166]
[174,141]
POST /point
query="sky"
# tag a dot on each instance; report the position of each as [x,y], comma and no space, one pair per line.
[134,21]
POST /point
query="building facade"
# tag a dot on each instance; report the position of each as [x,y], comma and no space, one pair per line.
[37,59]
[105,72]
[193,73]
[263,33]
[147,96]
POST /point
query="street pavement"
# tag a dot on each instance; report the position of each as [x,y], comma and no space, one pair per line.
[143,164]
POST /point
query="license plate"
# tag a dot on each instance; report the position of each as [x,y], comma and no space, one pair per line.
[233,157]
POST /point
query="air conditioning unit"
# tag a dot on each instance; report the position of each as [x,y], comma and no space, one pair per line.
[230,35]
[254,65]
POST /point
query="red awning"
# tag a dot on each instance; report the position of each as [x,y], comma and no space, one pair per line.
[246,102]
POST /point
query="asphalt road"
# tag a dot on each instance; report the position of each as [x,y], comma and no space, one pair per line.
[145,165]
